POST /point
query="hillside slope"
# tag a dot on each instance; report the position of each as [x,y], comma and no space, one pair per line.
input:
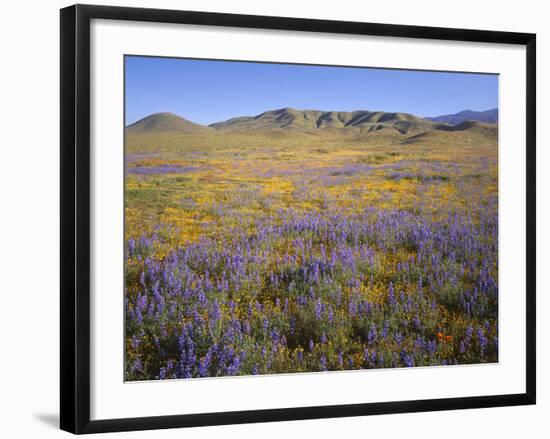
[489,116]
[294,128]
[165,123]
[292,119]
[467,133]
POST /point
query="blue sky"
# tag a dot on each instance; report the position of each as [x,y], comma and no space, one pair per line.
[211,91]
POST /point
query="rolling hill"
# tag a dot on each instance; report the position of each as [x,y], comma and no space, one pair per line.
[489,116]
[469,133]
[165,123]
[485,129]
[293,119]
[286,127]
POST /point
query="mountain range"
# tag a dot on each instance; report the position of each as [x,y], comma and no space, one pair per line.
[488,116]
[360,123]
[290,118]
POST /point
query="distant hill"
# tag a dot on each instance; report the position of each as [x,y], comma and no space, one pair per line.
[489,116]
[486,129]
[165,123]
[289,126]
[469,133]
[293,119]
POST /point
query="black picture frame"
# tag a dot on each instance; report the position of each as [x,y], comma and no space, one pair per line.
[75,217]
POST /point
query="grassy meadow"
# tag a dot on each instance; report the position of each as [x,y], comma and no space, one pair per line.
[282,251]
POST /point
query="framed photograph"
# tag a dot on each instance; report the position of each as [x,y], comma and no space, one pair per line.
[268,218]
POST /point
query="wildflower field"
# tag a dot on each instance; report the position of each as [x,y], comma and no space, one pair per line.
[295,252]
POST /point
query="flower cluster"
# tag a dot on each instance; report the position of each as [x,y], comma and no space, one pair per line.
[299,292]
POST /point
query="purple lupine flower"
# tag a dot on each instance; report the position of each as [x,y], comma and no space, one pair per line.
[385,330]
[482,341]
[330,314]
[431,347]
[204,364]
[323,363]
[162,373]
[371,336]
[468,335]
[131,247]
[235,366]
[391,295]
[215,312]
[318,309]
[136,366]
[373,356]
[274,336]
[406,359]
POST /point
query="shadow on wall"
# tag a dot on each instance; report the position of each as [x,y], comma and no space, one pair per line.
[49,419]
